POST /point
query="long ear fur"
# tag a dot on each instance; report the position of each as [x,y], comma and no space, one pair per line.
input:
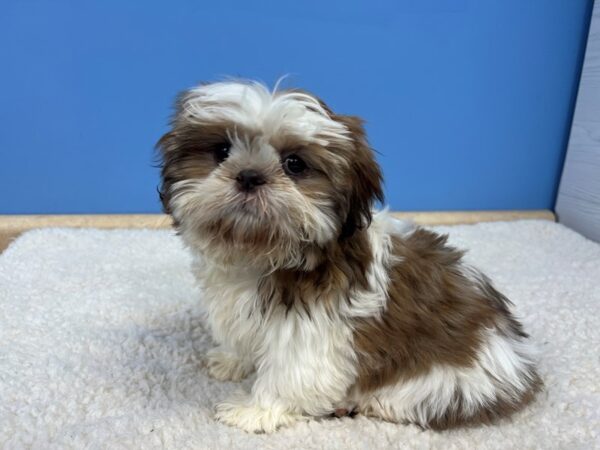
[166,150]
[366,178]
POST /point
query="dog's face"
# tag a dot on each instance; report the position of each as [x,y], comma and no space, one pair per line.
[258,177]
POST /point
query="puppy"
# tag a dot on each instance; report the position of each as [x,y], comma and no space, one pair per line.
[336,308]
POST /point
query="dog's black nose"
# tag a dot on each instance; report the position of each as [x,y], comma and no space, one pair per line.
[249,179]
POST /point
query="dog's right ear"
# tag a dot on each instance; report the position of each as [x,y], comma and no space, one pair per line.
[161,147]
[166,151]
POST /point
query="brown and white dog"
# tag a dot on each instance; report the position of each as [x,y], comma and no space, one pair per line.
[336,308]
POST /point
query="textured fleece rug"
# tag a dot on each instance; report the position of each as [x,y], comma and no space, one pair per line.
[102,343]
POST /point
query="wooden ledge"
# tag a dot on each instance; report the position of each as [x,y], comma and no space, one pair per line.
[12,226]
[465,217]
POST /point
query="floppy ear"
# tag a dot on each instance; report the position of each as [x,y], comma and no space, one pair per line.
[366,178]
[170,151]
[166,149]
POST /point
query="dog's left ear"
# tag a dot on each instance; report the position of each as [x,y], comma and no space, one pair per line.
[366,183]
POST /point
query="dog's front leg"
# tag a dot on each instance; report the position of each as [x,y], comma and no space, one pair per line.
[258,412]
[305,370]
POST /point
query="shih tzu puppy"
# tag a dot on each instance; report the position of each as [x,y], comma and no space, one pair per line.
[336,308]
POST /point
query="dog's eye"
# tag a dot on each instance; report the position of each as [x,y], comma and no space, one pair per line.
[294,165]
[221,152]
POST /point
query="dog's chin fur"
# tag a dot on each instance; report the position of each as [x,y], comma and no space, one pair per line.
[336,310]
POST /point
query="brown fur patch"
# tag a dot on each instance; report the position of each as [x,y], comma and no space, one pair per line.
[434,315]
[429,317]
[342,267]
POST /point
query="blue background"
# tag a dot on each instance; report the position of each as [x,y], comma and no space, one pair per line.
[469,102]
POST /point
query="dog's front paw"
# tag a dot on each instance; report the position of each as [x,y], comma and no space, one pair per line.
[241,412]
[226,366]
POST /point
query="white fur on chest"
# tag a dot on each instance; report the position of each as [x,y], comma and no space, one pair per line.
[289,349]
[230,299]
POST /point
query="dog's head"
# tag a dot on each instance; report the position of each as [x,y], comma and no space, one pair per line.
[262,177]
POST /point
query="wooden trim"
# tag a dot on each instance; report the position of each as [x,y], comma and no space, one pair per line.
[466,217]
[13,226]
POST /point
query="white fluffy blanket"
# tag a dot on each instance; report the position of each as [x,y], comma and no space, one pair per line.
[101,345]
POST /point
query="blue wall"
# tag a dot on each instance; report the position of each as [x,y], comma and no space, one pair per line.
[469,102]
